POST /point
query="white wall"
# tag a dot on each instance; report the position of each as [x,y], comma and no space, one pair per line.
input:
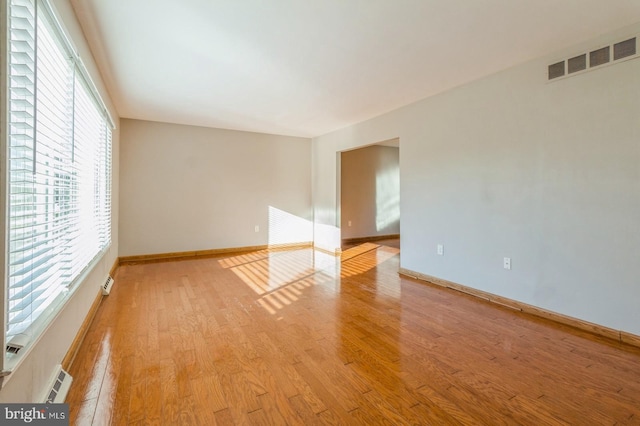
[28,382]
[513,166]
[370,192]
[194,188]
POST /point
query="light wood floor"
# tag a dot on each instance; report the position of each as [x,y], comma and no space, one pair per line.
[295,337]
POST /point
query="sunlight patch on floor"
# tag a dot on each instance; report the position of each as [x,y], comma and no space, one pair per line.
[281,278]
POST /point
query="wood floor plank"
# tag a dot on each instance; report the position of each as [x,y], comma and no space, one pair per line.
[153,393]
[223,417]
[304,411]
[121,402]
[240,396]
[458,414]
[338,408]
[169,392]
[305,391]
[278,410]
[84,411]
[138,395]
[296,337]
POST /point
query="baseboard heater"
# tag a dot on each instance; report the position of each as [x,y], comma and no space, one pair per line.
[57,391]
[106,287]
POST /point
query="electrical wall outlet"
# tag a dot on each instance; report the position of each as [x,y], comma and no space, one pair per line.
[507,263]
[257,228]
[440,249]
[349,224]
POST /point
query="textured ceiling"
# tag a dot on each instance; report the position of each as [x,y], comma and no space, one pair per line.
[308,67]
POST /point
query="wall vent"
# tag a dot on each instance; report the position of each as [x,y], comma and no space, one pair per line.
[624,49]
[59,388]
[17,342]
[578,63]
[106,287]
[621,50]
[600,56]
[556,70]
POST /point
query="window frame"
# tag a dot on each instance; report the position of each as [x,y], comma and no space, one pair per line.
[38,328]
[4,181]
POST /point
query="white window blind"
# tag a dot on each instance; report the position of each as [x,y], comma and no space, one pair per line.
[59,153]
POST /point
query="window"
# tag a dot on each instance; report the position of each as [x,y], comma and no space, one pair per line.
[59,168]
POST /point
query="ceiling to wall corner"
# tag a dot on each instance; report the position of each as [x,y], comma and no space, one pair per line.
[306,68]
